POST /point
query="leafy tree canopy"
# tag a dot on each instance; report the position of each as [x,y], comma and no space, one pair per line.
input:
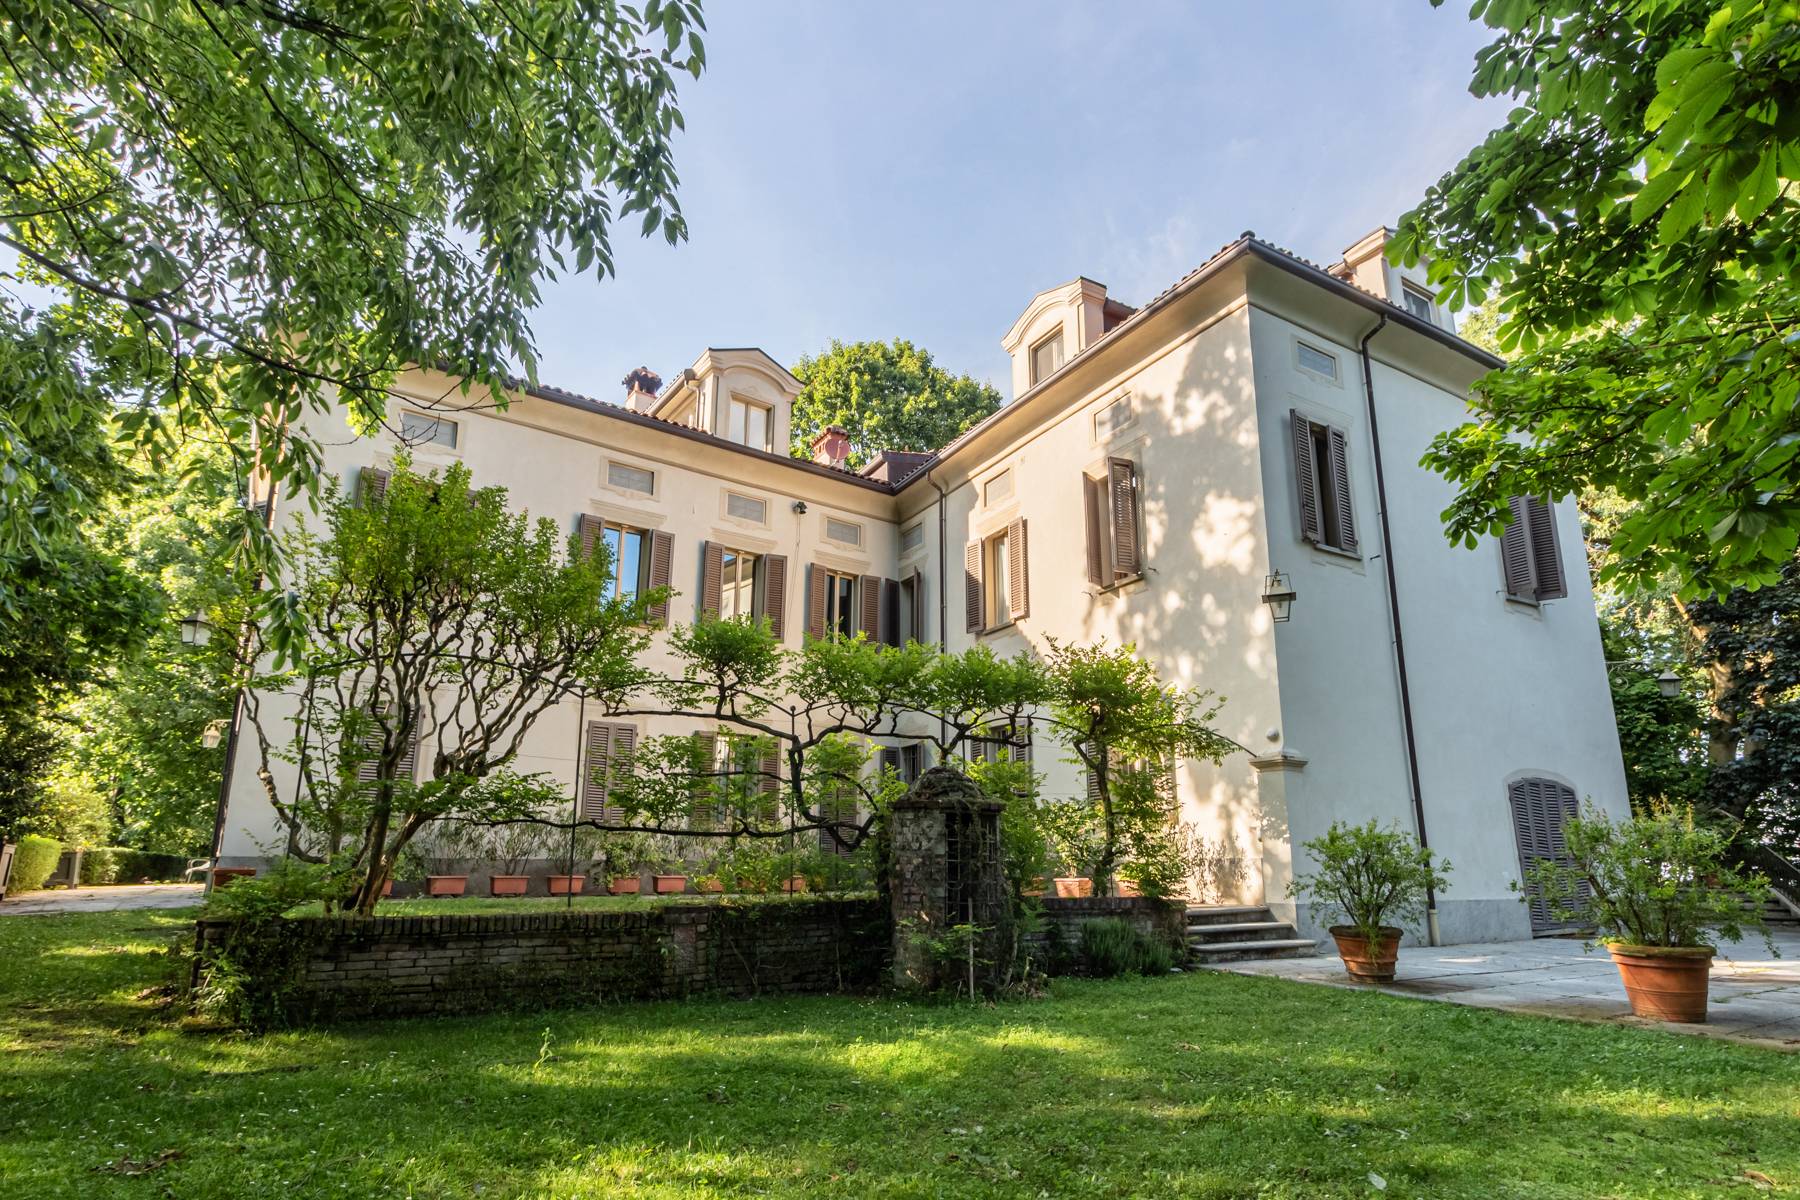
[241,212]
[1636,216]
[887,396]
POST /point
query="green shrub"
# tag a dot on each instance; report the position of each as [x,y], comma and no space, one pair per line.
[33,862]
[127,864]
[1112,947]
[99,865]
[1370,876]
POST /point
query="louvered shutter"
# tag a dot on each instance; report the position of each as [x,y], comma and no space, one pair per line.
[917,630]
[703,791]
[712,577]
[1094,522]
[1340,489]
[372,484]
[1306,476]
[774,593]
[1540,808]
[1515,552]
[589,528]
[868,597]
[1546,557]
[891,634]
[974,619]
[1093,778]
[889,759]
[769,811]
[595,771]
[662,561]
[404,770]
[1122,475]
[1018,584]
[816,581]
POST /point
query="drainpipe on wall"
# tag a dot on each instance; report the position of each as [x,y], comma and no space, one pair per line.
[1393,590]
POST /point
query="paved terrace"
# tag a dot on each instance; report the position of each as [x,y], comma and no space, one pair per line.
[1755,997]
[102,899]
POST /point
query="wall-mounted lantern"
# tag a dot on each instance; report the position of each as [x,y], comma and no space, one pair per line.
[196,630]
[1278,594]
[1668,683]
[212,735]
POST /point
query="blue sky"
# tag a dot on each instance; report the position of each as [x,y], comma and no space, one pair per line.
[858,170]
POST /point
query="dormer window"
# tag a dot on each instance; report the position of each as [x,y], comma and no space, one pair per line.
[1046,357]
[750,424]
[1419,302]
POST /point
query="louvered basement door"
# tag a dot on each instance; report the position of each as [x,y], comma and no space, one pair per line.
[1539,808]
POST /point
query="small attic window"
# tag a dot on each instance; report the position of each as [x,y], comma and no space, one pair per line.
[1313,359]
[1046,357]
[1419,302]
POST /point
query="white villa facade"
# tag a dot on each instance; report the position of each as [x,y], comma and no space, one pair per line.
[1155,467]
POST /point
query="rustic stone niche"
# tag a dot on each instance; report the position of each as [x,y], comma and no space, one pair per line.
[946,872]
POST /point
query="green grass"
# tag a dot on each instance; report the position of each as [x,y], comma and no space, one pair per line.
[1197,1085]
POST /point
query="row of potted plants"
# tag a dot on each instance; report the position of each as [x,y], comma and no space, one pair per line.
[1656,890]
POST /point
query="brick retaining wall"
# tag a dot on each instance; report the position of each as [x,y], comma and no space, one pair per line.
[1060,920]
[317,969]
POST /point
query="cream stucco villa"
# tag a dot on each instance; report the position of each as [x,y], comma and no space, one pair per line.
[1156,466]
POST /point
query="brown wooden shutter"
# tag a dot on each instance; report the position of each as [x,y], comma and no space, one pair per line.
[372,484]
[1092,502]
[917,631]
[888,758]
[712,577]
[1306,476]
[624,749]
[1515,552]
[594,771]
[891,634]
[774,593]
[662,561]
[1093,778]
[1018,584]
[1340,490]
[769,812]
[1546,556]
[973,614]
[1122,475]
[703,790]
[816,579]
[589,528]
[868,597]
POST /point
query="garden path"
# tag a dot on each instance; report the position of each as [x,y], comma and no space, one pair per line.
[102,899]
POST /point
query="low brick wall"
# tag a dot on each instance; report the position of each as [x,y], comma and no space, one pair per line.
[310,970]
[1060,921]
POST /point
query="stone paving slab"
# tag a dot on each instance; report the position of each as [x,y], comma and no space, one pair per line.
[102,899]
[1755,997]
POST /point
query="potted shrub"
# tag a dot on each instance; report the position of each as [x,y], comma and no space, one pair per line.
[511,848]
[443,848]
[1370,877]
[1076,839]
[1659,888]
[579,850]
[1070,887]
[626,856]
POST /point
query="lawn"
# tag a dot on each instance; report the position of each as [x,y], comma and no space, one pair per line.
[1197,1085]
[488,905]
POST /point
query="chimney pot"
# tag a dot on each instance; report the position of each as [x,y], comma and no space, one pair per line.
[641,388]
[831,447]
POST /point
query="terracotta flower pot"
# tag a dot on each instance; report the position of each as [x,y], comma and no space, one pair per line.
[507,885]
[1073,887]
[387,889]
[710,886]
[222,876]
[624,885]
[1665,983]
[1368,961]
[795,884]
[1126,889]
[446,885]
[1036,887]
[666,884]
[563,885]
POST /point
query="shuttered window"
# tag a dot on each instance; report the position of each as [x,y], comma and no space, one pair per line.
[641,558]
[405,771]
[703,792]
[1530,558]
[1540,808]
[1011,744]
[610,745]
[902,610]
[1113,540]
[838,809]
[996,580]
[740,584]
[371,484]
[1322,483]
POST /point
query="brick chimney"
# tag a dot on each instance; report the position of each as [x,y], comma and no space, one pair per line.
[831,447]
[641,387]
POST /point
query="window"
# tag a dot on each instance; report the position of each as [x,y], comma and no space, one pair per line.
[847,532]
[1008,744]
[628,478]
[1112,418]
[750,424]
[909,611]
[420,429]
[735,782]
[1046,357]
[996,589]
[1317,361]
[1418,301]
[1540,810]
[747,508]
[630,563]
[908,761]
[737,584]
[1530,559]
[840,603]
[1111,505]
[641,558]
[911,538]
[1322,476]
[606,763]
[997,489]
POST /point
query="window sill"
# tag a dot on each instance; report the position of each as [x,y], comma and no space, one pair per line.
[991,630]
[1118,586]
[1335,551]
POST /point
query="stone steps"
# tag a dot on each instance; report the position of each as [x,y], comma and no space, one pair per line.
[1238,932]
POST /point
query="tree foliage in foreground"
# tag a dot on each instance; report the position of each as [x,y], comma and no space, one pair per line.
[887,396]
[245,211]
[1638,219]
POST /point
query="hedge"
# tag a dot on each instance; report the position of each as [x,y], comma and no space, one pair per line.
[33,862]
[127,864]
